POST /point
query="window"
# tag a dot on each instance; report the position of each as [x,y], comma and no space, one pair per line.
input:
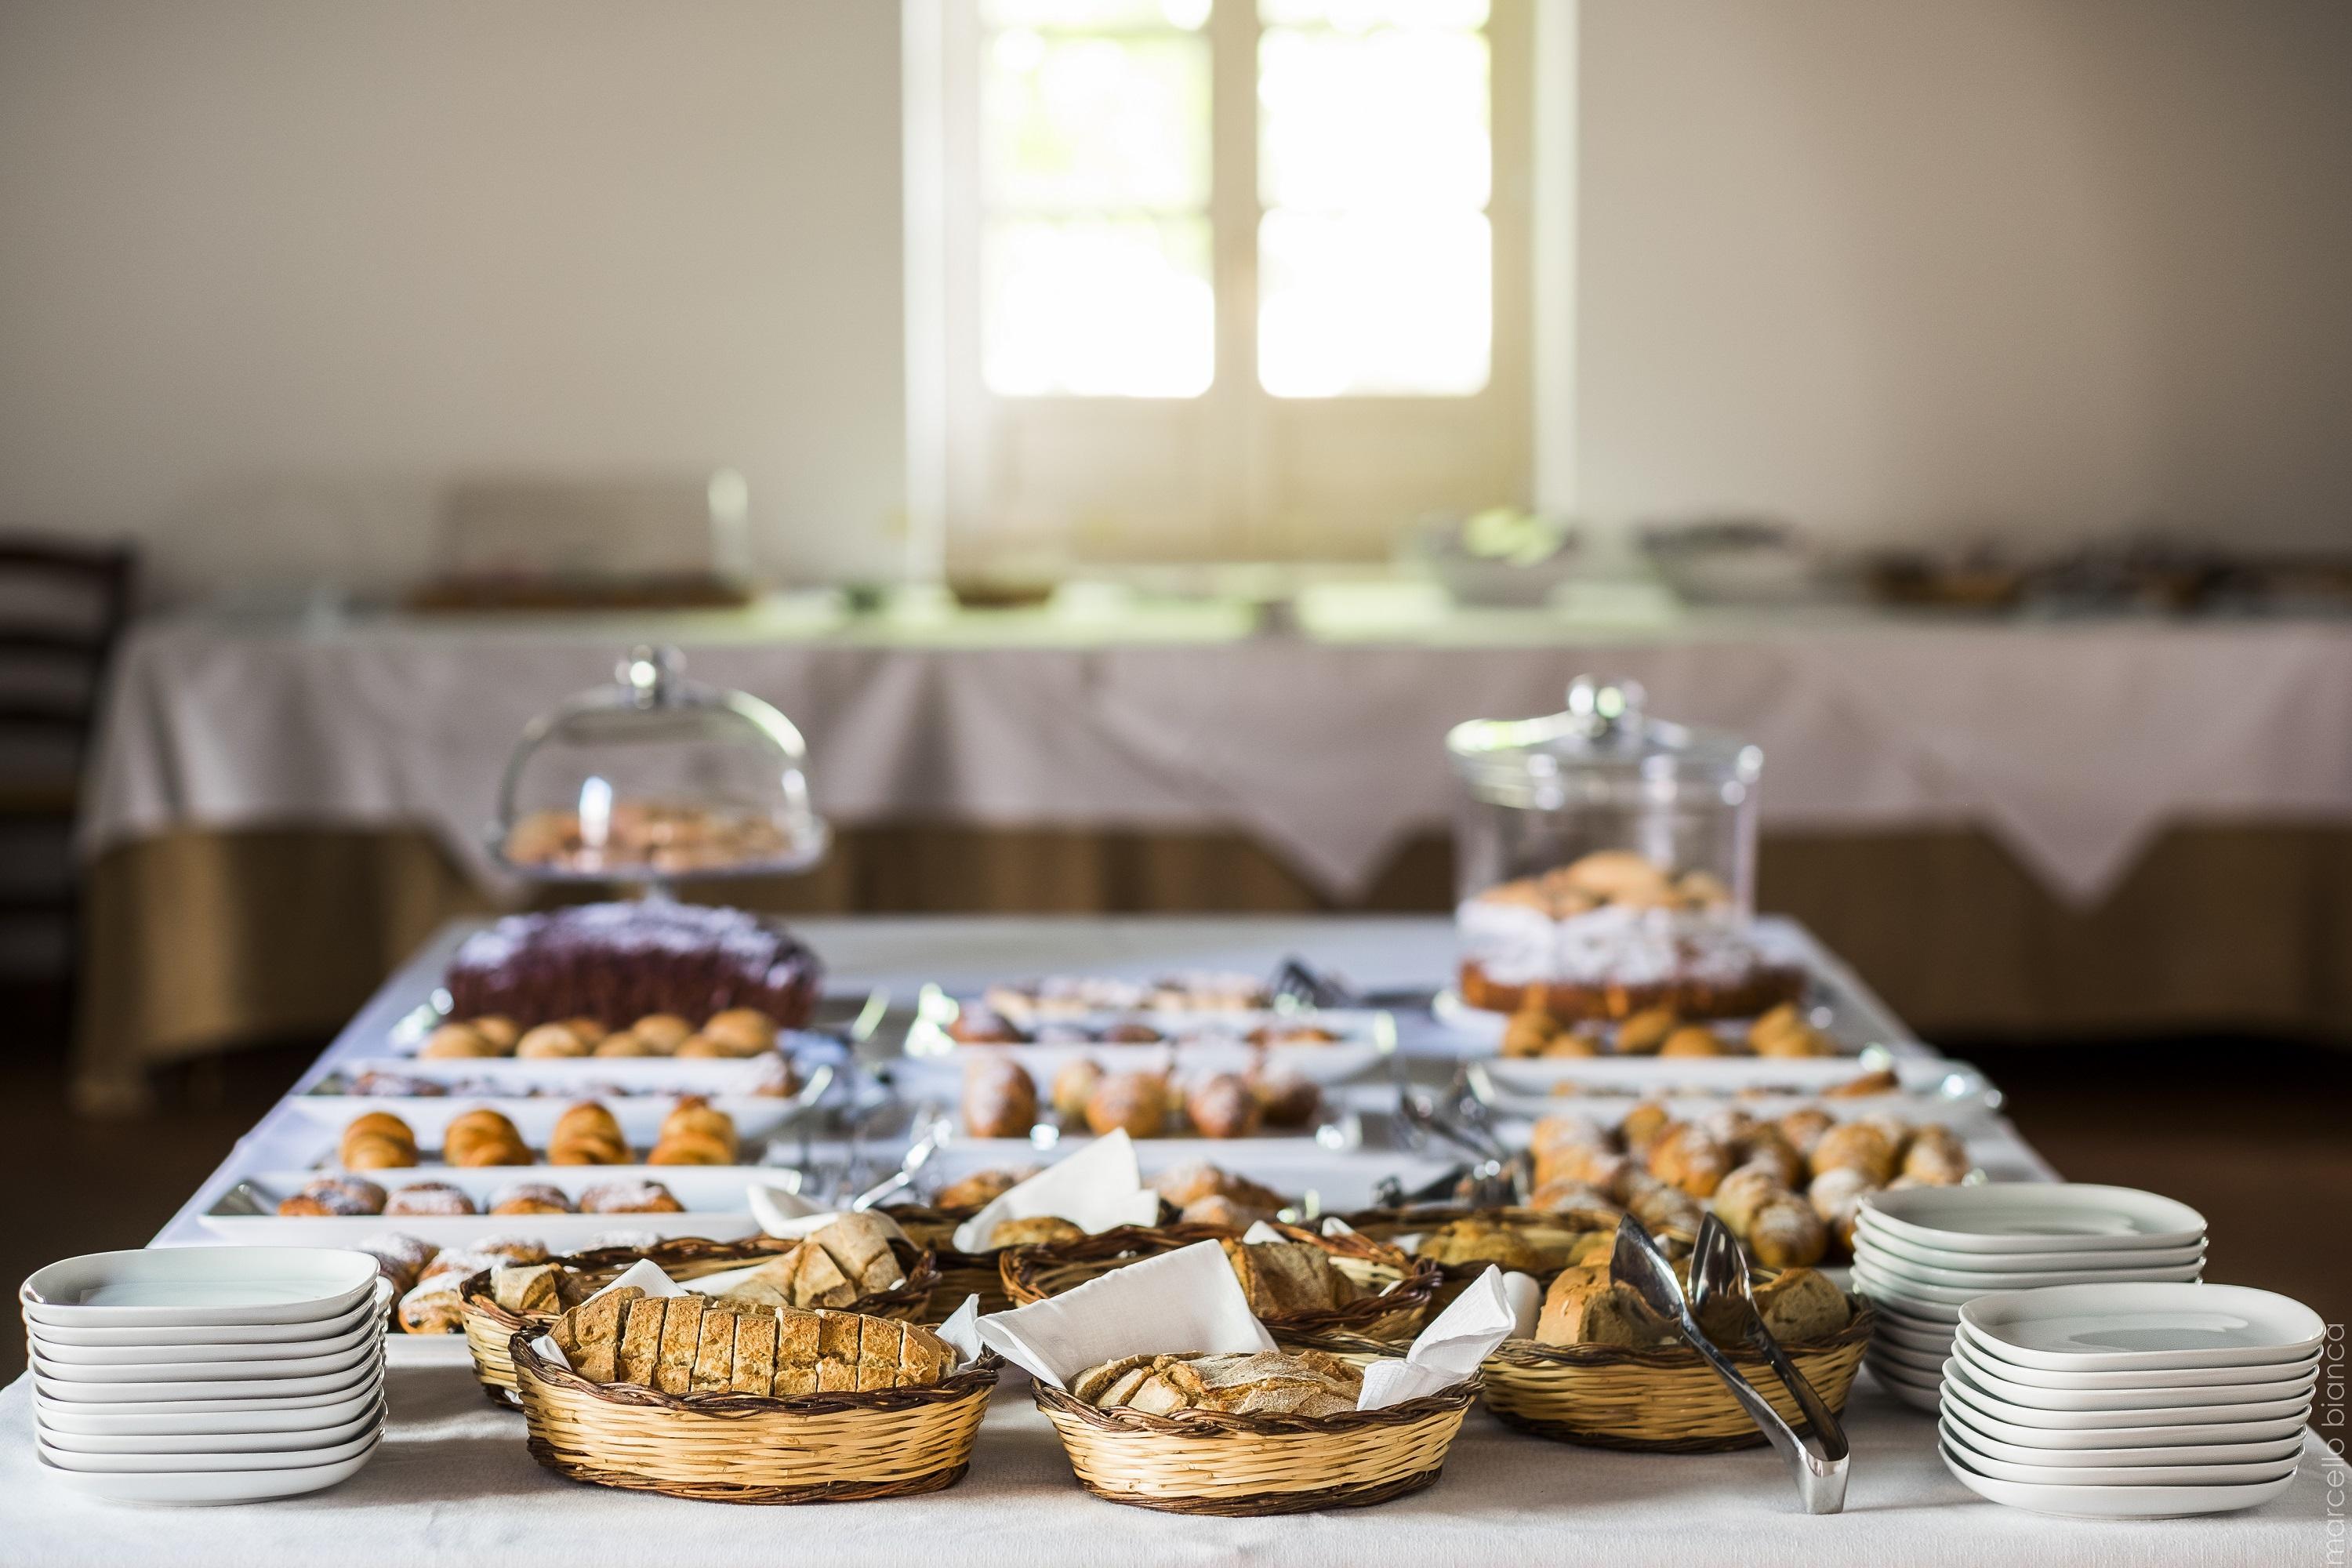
[1229,277]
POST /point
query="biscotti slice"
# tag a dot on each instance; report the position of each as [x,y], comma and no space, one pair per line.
[771,1284]
[880,1343]
[641,1342]
[525,1287]
[589,1335]
[819,1281]
[714,1354]
[796,1352]
[681,1338]
[836,1350]
[924,1358]
[859,1246]
[755,1353]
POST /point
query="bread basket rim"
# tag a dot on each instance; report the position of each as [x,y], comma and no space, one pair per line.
[1531,1353]
[977,1376]
[1227,1423]
[473,1291]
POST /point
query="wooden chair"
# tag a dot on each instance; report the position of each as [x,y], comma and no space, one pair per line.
[63,606]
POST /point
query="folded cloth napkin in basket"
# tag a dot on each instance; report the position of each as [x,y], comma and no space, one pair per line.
[1188,1301]
[1095,1189]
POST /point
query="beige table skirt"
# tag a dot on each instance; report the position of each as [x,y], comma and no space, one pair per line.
[200,942]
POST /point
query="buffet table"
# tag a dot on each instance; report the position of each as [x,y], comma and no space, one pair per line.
[453,1481]
[2099,826]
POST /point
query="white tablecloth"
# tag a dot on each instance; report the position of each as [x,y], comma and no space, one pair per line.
[454,1484]
[2072,743]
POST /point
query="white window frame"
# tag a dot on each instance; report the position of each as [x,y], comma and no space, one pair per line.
[1272,477]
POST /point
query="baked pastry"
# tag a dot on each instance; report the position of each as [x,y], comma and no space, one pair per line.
[629,1198]
[983,1026]
[1858,1145]
[435,1198]
[1193,1179]
[1785,1031]
[377,1141]
[695,1133]
[1562,1196]
[1660,1206]
[1137,1101]
[1581,1309]
[665,1032]
[530,1197]
[1767,1148]
[483,1137]
[999,1099]
[550,1040]
[1641,1126]
[1265,1383]
[503,1033]
[1785,1233]
[1285,1099]
[1645,1033]
[532,1287]
[1935,1156]
[1527,1246]
[1693,1040]
[1864,1086]
[1074,1082]
[1289,1277]
[1803,1127]
[1836,1197]
[1223,1106]
[341,1197]
[981,1188]
[620,961]
[688,1344]
[847,1260]
[1801,1305]
[1530,1031]
[743,1031]
[399,1257]
[625,1043]
[1686,1156]
[587,1134]
[1035,1231]
[458,1040]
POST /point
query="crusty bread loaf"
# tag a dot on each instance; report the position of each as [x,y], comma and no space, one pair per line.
[1265,1383]
[1582,1310]
[1284,1276]
[1037,1230]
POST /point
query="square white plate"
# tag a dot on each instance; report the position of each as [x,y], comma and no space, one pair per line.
[2028,1217]
[2223,1433]
[2245,1473]
[1960,1379]
[1919,1341]
[358,1333]
[149,1373]
[2115,1502]
[2145,1327]
[1973,1283]
[182,1286]
[206,1335]
[304,1438]
[208,1486]
[1987,1353]
[1986,1375]
[1872,1236]
[270,1415]
[178,1397]
[168,1463]
[1973,1427]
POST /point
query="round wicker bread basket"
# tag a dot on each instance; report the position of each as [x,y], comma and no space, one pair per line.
[962,1274]
[1665,1401]
[1201,1461]
[1387,1225]
[1398,1288]
[749,1447]
[490,1327]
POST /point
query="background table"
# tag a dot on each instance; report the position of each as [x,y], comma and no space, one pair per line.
[454,1482]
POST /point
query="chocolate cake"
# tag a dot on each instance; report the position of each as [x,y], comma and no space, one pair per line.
[620,962]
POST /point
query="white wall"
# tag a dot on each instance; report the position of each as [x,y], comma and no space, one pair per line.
[1980,266]
[271,270]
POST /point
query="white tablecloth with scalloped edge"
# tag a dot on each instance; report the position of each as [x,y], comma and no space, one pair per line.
[2074,743]
[453,1483]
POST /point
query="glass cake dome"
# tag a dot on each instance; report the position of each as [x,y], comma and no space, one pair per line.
[657,778]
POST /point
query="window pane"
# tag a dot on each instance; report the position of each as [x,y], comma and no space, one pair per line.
[1358,16]
[1087,16]
[1390,303]
[1097,307]
[1092,122]
[1386,118]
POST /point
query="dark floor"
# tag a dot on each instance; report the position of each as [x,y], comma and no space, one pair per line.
[2256,1134]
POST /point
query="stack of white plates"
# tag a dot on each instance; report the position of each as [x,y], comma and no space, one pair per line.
[1923,1253]
[206,1373]
[2130,1401]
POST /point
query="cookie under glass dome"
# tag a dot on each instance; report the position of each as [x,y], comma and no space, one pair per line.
[656,778]
[1605,862]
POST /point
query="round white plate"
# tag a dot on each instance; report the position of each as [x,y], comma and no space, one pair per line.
[1971,1427]
[2033,1474]
[150,1373]
[1975,1283]
[1927,1342]
[2115,1502]
[1926,1363]
[1918,1396]
[184,1463]
[184,1287]
[304,1439]
[214,1334]
[1924,1316]
[1871,1236]
[208,1486]
[2035,1217]
[279,1415]
[1899,1373]
[1870,1278]
[2145,1327]
[1987,1353]
[1960,1378]
[248,1353]
[207,1395]
[2107,1439]
[1986,1375]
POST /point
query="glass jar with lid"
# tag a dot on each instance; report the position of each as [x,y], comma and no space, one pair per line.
[657,778]
[1605,863]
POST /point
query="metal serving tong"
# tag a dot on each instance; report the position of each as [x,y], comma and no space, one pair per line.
[1817,1457]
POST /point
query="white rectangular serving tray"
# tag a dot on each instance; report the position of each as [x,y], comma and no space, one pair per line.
[1928,1088]
[1209,1042]
[640,1116]
[1340,1180]
[713,1196]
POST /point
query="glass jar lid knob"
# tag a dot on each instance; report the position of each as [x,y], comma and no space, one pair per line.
[649,674]
[1598,711]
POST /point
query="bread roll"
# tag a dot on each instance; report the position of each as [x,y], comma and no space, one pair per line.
[454,1041]
[1800,1306]
[1785,1233]
[1855,1145]
[549,1041]
[1689,1159]
[1935,1156]
[665,1032]
[999,1099]
[1073,1082]
[1039,1230]
[1578,1311]
[745,1031]
[626,1043]
[981,1188]
[1222,1106]
[1136,1101]
[1644,1034]
[1691,1040]
[1530,1031]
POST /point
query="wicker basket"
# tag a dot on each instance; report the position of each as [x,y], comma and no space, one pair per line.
[489,1326]
[752,1448]
[1405,1285]
[962,1274]
[1201,1461]
[1665,1401]
[1387,1225]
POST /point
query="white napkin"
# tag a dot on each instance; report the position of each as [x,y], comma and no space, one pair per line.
[1095,1189]
[1526,1294]
[1183,1300]
[1449,1350]
[784,1214]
